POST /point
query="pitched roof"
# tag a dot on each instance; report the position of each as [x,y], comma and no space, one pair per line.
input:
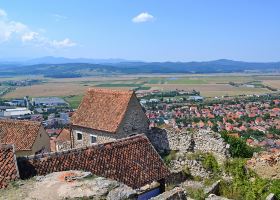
[64,135]
[102,109]
[20,133]
[132,161]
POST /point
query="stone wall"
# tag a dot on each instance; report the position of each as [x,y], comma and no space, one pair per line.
[135,120]
[132,161]
[8,165]
[63,145]
[101,136]
[195,167]
[205,141]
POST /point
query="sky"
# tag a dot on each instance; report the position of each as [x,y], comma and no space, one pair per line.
[148,30]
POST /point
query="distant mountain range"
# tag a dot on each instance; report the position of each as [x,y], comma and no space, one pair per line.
[68,67]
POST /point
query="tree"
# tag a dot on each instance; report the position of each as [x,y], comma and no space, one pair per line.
[238,147]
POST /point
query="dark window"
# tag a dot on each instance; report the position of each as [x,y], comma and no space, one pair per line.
[79,136]
[93,139]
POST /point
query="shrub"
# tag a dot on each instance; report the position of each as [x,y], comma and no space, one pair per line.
[238,147]
[169,157]
[246,184]
[210,163]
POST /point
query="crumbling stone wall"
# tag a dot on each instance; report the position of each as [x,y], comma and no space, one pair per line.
[63,145]
[205,141]
[8,165]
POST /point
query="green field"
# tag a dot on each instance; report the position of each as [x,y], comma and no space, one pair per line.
[186,81]
[73,100]
[209,85]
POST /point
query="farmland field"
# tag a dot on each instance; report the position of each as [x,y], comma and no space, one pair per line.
[73,100]
[209,85]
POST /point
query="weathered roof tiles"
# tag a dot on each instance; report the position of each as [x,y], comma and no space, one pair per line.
[20,133]
[102,109]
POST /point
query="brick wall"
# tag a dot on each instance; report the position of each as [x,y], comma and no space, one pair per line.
[8,165]
[132,161]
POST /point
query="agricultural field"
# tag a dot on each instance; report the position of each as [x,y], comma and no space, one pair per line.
[73,100]
[211,85]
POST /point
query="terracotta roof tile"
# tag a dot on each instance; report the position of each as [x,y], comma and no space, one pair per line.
[102,109]
[64,135]
[132,161]
[20,133]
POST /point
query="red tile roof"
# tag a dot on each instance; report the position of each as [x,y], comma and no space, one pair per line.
[8,165]
[102,109]
[20,133]
[64,135]
[132,161]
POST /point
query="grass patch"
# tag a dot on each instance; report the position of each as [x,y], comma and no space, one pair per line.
[197,194]
[143,88]
[246,184]
[73,100]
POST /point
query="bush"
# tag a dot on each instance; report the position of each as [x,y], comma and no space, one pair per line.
[197,194]
[210,163]
[238,147]
[169,157]
[246,184]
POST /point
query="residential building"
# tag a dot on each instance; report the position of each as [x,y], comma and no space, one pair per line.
[29,137]
[105,115]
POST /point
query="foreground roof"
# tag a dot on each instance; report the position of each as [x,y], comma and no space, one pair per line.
[20,133]
[102,109]
[132,161]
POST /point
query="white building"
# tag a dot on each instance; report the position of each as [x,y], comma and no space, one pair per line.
[15,112]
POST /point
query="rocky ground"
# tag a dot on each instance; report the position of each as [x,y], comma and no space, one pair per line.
[67,185]
[266,165]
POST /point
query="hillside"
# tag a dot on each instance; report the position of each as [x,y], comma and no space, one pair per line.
[87,67]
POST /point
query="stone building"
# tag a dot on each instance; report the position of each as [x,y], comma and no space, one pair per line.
[28,137]
[105,115]
[62,141]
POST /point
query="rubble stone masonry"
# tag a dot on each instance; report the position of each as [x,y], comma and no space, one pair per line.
[8,165]
[180,140]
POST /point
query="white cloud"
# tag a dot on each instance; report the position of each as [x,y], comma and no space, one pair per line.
[3,13]
[29,36]
[10,29]
[143,17]
[63,43]
[59,17]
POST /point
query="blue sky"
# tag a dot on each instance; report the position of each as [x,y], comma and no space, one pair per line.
[151,30]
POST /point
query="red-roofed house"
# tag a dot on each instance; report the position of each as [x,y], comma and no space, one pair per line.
[29,137]
[105,115]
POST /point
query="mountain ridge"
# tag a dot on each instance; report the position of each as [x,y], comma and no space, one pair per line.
[73,68]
